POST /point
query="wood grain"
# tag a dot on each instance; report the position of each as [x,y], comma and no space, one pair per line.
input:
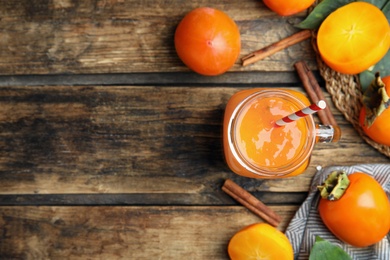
[128,139]
[117,36]
[110,148]
[252,78]
[123,232]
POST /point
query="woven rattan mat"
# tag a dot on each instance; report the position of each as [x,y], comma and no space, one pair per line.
[346,94]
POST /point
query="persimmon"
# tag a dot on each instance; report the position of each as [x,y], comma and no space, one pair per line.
[361,214]
[374,118]
[208,41]
[260,241]
[354,37]
[288,7]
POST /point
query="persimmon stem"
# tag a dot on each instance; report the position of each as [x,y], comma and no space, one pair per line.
[334,186]
[375,100]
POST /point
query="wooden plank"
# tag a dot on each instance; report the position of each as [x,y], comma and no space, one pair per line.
[123,232]
[156,79]
[63,36]
[211,198]
[124,139]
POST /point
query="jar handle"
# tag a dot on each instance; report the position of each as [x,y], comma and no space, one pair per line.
[327,134]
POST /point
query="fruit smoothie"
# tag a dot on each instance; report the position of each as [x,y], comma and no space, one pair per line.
[254,146]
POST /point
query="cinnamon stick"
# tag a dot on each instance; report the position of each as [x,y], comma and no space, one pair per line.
[251,202]
[275,47]
[314,92]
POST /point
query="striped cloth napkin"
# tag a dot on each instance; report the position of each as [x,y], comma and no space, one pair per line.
[307,224]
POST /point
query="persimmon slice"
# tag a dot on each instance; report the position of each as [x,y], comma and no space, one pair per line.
[354,37]
[260,241]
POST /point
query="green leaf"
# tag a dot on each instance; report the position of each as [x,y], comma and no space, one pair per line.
[320,12]
[378,3]
[383,67]
[365,79]
[386,10]
[324,250]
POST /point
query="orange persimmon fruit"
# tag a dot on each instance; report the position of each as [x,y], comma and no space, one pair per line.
[361,216]
[288,7]
[260,241]
[379,130]
[354,37]
[208,41]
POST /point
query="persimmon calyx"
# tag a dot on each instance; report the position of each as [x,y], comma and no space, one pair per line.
[375,100]
[334,186]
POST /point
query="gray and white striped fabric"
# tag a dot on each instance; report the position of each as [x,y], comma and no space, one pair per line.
[307,224]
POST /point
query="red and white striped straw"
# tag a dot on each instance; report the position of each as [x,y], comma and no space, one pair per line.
[301,113]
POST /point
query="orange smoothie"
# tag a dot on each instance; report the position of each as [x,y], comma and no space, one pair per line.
[254,146]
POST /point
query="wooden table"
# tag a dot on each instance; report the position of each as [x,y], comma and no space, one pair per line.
[111,147]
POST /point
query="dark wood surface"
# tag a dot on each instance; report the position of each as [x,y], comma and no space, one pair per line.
[111,147]
[118,36]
